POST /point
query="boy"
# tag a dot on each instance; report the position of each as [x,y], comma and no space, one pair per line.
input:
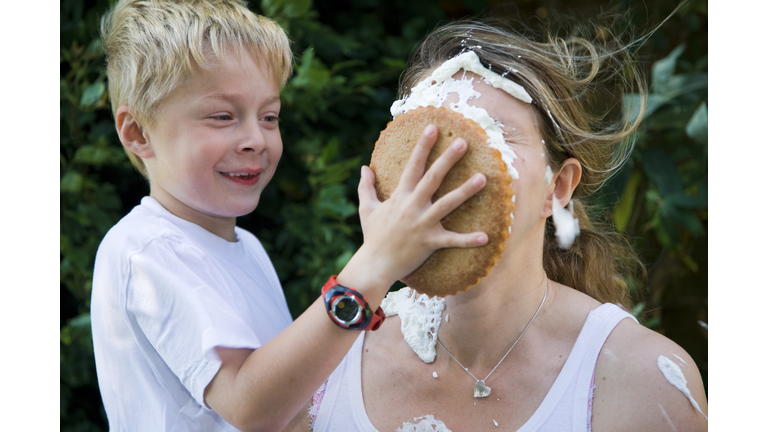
[191,329]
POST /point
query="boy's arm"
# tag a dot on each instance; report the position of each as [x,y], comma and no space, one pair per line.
[263,389]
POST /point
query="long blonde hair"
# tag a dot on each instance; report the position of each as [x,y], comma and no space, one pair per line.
[563,76]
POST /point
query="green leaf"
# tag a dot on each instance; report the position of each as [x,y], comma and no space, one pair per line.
[663,69]
[346,64]
[697,126]
[81,322]
[93,155]
[653,322]
[330,151]
[343,259]
[71,182]
[397,64]
[682,84]
[652,103]
[672,216]
[285,8]
[92,94]
[661,171]
[311,73]
[332,202]
[685,201]
[623,209]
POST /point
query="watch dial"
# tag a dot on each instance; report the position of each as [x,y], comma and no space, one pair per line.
[346,309]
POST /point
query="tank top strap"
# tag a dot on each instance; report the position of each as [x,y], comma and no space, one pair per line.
[601,322]
[566,406]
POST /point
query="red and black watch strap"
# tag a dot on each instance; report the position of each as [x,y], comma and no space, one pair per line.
[335,294]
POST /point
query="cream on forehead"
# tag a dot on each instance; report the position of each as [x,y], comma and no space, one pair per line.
[470,62]
[434,91]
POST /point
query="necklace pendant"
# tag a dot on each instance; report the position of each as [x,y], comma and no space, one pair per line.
[481,390]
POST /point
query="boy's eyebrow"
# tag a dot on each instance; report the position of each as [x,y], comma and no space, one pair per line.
[234,96]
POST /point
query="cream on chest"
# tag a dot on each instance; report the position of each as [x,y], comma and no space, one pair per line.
[398,391]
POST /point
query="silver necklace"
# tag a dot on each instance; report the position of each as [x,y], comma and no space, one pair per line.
[482,390]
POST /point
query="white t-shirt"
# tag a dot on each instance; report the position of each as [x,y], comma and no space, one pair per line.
[165,293]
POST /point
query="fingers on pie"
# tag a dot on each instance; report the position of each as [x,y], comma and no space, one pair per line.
[452,270]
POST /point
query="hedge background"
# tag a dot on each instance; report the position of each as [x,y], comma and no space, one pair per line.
[349,55]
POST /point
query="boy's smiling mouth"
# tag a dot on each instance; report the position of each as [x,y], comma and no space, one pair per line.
[245,177]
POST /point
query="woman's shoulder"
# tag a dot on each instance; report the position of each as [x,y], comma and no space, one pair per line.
[643,381]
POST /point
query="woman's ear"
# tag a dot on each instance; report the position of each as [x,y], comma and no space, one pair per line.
[565,183]
[131,133]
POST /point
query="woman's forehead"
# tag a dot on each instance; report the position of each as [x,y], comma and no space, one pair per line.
[502,106]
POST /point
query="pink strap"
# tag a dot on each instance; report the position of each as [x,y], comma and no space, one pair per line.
[589,403]
[314,408]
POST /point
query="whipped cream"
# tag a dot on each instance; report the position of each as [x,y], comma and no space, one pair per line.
[427,423]
[548,174]
[420,317]
[434,90]
[674,375]
[566,226]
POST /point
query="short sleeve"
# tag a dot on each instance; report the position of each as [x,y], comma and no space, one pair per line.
[177,301]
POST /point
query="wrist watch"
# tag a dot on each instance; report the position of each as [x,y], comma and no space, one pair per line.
[349,309]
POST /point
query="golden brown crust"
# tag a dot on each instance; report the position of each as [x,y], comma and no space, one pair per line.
[450,271]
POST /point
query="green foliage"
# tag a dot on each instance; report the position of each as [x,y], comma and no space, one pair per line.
[91,160]
[348,58]
[659,199]
[669,165]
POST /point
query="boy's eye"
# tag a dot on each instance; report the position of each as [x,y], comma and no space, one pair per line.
[222,117]
[271,119]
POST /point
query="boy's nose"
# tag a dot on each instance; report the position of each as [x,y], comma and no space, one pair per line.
[252,138]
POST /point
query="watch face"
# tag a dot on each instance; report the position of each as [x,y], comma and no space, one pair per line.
[346,309]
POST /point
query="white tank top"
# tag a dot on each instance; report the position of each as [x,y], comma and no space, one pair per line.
[566,407]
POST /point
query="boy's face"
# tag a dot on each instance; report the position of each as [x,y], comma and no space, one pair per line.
[216,143]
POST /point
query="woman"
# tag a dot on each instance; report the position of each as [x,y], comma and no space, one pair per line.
[538,344]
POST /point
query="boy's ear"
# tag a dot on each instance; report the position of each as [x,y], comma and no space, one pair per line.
[565,183]
[131,133]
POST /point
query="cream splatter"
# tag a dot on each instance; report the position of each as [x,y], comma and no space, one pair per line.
[566,226]
[420,317]
[548,175]
[495,423]
[427,423]
[674,375]
[680,358]
[610,355]
[434,374]
[668,420]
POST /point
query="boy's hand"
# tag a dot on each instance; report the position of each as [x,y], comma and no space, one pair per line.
[403,231]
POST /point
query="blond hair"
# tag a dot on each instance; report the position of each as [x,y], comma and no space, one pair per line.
[153,46]
[563,76]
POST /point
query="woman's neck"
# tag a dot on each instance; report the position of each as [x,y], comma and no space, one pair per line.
[480,325]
